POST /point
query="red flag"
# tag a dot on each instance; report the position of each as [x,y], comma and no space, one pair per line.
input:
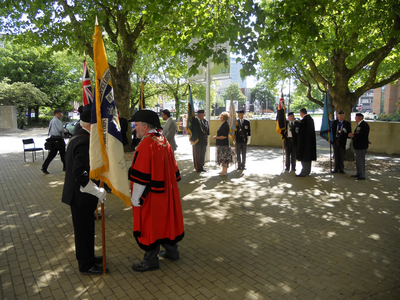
[87,95]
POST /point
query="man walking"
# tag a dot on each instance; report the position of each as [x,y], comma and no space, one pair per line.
[360,145]
[291,142]
[307,143]
[56,132]
[243,138]
[156,203]
[203,129]
[82,195]
[340,131]
[169,129]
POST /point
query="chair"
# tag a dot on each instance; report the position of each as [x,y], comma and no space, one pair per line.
[29,142]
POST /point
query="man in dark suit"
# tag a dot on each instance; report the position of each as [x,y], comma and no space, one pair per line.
[307,143]
[243,138]
[291,142]
[82,195]
[340,131]
[200,148]
[360,145]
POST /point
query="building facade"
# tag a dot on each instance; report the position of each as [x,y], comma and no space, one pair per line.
[386,99]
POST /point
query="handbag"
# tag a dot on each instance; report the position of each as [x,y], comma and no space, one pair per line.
[54,143]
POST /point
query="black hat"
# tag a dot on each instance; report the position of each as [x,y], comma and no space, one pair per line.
[290,114]
[341,112]
[147,116]
[240,111]
[86,116]
[200,111]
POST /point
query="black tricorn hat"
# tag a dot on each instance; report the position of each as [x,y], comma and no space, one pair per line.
[147,116]
[240,111]
[290,114]
[341,112]
[200,111]
[85,116]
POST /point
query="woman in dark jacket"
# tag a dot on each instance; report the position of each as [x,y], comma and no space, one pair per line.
[224,152]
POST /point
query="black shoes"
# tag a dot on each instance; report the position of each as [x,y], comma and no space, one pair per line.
[98,260]
[97,217]
[360,178]
[142,267]
[45,171]
[340,171]
[300,175]
[164,254]
[355,175]
[95,270]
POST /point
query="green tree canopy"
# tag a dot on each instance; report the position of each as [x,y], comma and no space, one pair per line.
[346,46]
[129,27]
[57,74]
[234,90]
[263,94]
[22,95]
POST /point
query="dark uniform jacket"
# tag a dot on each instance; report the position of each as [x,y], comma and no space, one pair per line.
[307,142]
[340,138]
[295,135]
[243,131]
[361,133]
[203,129]
[77,171]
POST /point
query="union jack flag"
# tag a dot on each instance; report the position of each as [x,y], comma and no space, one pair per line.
[87,96]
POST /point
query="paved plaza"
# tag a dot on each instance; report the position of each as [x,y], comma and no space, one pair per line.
[257,234]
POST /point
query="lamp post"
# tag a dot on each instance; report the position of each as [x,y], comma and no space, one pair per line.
[158,108]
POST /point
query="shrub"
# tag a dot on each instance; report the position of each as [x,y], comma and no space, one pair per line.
[395,117]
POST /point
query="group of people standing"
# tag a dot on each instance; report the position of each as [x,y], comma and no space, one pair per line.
[300,143]
[155,198]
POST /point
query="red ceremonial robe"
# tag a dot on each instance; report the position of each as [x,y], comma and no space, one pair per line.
[159,219]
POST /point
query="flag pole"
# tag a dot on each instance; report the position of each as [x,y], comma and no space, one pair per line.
[103,231]
[283,155]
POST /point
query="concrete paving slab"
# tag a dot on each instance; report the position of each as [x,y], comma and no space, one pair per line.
[256,234]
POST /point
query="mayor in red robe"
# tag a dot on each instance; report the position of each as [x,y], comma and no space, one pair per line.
[156,203]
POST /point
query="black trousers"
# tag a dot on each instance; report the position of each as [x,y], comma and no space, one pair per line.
[83,221]
[290,149]
[150,257]
[199,155]
[339,152]
[241,150]
[52,154]
[306,168]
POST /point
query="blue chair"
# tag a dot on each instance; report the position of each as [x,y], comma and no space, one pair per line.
[29,143]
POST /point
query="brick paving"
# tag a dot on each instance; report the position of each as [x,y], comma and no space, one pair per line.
[257,234]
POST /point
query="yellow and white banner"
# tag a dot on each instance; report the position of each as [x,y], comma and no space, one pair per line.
[107,158]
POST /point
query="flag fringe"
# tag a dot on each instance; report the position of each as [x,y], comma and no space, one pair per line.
[117,193]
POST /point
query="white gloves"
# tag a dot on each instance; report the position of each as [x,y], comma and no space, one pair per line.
[137,192]
[248,140]
[135,201]
[94,190]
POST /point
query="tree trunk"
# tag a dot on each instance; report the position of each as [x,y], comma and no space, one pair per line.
[37,113]
[122,95]
[29,114]
[177,106]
